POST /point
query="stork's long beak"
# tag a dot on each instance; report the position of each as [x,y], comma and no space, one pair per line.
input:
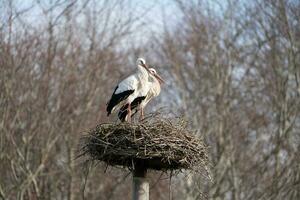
[160,80]
[146,67]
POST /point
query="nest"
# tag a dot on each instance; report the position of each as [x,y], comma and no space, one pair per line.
[159,144]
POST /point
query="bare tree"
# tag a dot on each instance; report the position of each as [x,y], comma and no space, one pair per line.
[56,74]
[236,70]
[232,69]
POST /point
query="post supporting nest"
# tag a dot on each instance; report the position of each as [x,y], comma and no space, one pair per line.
[140,184]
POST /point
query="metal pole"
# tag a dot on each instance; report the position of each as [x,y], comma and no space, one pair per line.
[140,184]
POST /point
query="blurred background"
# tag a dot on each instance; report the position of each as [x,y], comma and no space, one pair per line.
[232,69]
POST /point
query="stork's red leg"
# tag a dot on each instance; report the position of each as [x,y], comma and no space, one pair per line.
[142,114]
[129,113]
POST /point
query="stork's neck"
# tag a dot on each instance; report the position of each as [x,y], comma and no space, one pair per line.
[142,72]
[155,86]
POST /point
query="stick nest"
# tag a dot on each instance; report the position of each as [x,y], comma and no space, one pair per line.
[159,144]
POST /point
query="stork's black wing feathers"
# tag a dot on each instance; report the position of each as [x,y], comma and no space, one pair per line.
[116,99]
[123,111]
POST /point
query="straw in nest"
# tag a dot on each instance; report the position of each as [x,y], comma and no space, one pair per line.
[159,144]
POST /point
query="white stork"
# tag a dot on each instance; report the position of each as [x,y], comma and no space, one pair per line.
[128,89]
[149,90]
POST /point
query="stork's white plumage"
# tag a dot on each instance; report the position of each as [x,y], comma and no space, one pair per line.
[149,90]
[128,89]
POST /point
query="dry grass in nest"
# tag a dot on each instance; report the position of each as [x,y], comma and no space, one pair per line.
[159,144]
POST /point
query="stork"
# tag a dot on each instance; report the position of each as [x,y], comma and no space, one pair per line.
[128,89]
[149,90]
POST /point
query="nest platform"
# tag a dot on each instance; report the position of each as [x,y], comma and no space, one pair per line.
[158,144]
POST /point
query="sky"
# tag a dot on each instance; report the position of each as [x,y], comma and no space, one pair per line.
[151,10]
[152,14]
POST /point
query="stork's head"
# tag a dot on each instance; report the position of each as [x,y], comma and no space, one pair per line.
[154,73]
[141,62]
